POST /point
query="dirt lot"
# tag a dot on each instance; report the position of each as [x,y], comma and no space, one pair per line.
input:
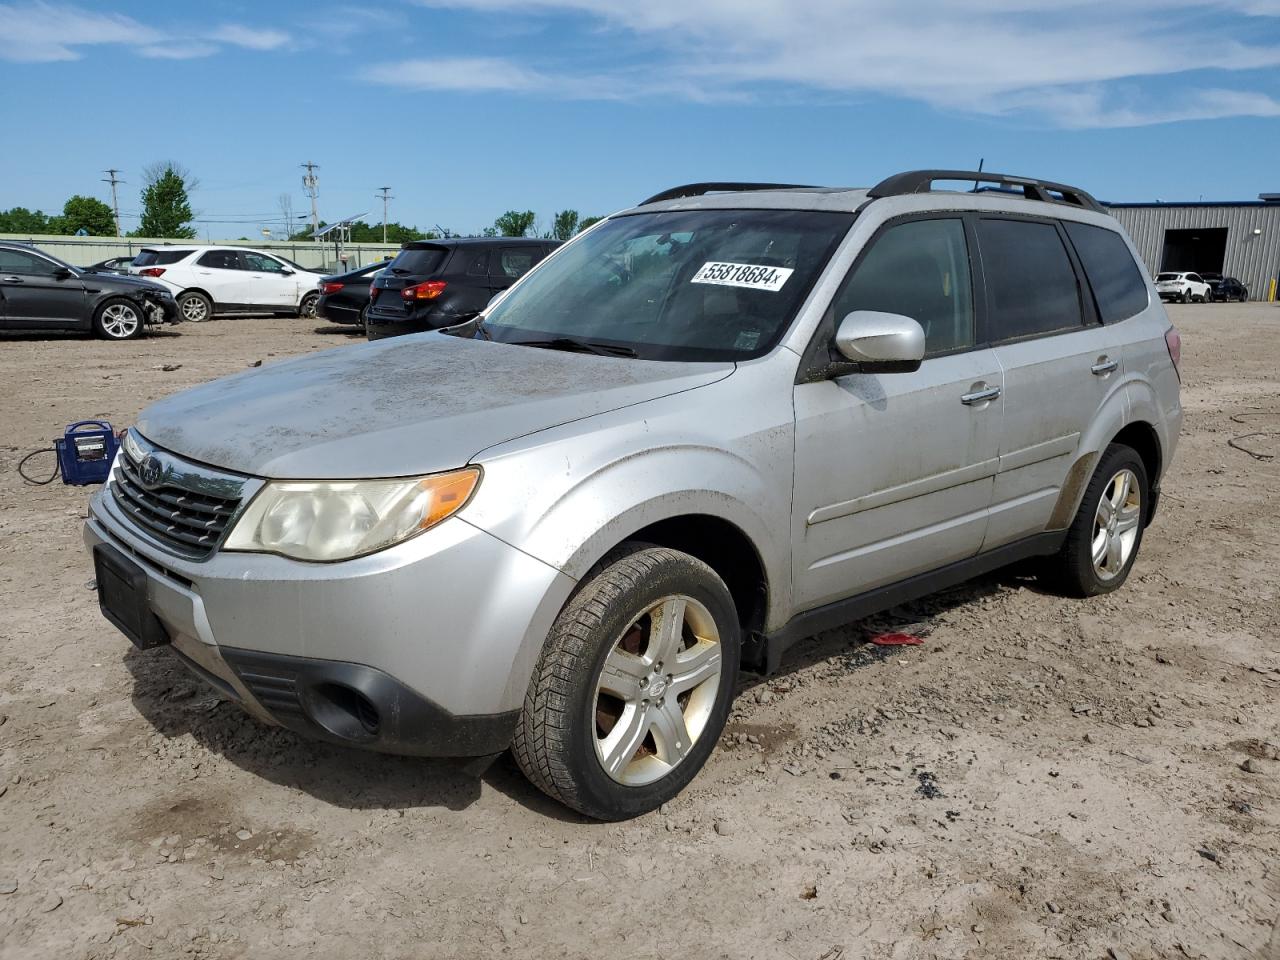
[1043,778]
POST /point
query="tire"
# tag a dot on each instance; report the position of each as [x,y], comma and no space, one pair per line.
[1074,570]
[577,717]
[119,319]
[307,308]
[1244,296]
[362,320]
[1186,295]
[195,307]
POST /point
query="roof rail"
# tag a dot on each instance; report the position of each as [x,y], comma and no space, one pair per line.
[701,189]
[921,181]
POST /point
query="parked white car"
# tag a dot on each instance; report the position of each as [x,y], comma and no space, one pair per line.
[1184,287]
[223,280]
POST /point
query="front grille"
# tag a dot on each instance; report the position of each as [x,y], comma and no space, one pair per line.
[191,523]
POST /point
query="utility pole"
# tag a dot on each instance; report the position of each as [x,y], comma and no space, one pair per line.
[115,202]
[311,186]
[385,197]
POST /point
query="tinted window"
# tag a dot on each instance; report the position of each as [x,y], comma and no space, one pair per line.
[149,258]
[919,269]
[28,264]
[1117,283]
[262,264]
[1167,277]
[478,263]
[419,262]
[220,260]
[515,262]
[1031,287]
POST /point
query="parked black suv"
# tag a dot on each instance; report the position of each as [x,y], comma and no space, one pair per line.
[437,283]
[41,292]
[1225,288]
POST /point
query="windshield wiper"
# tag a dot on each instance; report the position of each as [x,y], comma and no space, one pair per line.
[580,346]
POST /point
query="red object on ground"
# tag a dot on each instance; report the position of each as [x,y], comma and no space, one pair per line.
[896,640]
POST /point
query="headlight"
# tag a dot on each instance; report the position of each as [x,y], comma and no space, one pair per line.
[329,520]
[130,445]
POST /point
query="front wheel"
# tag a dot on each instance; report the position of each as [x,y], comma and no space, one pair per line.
[195,307]
[633,686]
[1103,540]
[118,320]
[307,308]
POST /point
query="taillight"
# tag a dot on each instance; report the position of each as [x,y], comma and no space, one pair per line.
[1173,340]
[330,287]
[424,291]
[153,272]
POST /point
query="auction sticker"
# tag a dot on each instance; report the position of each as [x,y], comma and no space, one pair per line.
[743,275]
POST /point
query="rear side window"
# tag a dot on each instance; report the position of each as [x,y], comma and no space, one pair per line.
[515,262]
[1117,283]
[221,260]
[151,258]
[1031,286]
[478,264]
[419,262]
[919,269]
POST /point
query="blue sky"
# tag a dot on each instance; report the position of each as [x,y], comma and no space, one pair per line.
[467,108]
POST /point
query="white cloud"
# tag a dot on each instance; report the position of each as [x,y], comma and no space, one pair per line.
[37,31]
[983,56]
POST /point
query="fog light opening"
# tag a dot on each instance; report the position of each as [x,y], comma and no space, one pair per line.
[344,712]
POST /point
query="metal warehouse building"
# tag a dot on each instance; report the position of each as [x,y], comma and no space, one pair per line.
[1240,240]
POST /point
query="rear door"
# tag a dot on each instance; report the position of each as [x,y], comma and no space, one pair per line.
[1060,361]
[38,292]
[894,472]
[222,274]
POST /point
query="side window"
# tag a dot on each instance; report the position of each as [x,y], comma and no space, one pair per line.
[478,265]
[1117,282]
[919,269]
[1031,286]
[27,264]
[515,262]
[220,260]
[1194,278]
[262,264]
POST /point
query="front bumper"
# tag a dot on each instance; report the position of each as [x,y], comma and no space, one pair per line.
[425,648]
[162,309]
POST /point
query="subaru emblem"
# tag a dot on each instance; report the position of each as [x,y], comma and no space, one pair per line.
[150,472]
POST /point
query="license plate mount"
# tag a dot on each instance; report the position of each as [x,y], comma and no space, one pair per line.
[122,597]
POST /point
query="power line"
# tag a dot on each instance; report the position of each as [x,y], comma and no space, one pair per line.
[385,198]
[311,186]
[115,201]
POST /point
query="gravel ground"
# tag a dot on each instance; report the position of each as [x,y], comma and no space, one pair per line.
[1042,778]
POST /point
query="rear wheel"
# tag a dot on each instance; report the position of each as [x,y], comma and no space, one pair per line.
[195,307]
[1186,295]
[633,686]
[1103,540]
[118,320]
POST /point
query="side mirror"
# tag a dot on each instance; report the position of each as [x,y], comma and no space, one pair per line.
[62,273]
[287,272]
[881,342]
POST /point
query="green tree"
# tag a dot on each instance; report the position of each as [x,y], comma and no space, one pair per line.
[515,223]
[166,207]
[566,224]
[22,220]
[589,222]
[89,214]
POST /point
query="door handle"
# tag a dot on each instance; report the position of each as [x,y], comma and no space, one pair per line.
[980,396]
[1104,366]
[12,279]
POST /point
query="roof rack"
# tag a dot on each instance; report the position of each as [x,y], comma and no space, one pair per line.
[921,181]
[701,189]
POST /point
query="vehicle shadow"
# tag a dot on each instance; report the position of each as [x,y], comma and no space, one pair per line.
[178,704]
[38,335]
[352,331]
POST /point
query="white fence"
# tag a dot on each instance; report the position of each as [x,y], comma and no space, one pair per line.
[82,251]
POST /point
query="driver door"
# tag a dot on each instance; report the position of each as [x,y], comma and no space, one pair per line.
[268,283]
[894,472]
[38,292]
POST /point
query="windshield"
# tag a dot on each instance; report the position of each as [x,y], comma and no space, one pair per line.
[679,285]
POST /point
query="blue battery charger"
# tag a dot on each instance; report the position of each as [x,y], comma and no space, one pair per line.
[86,451]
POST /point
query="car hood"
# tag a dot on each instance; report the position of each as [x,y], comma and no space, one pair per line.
[116,281]
[400,407]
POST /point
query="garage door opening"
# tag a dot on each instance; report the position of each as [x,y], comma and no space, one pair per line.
[1201,251]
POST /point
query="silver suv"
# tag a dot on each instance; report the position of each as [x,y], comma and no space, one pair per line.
[709,426]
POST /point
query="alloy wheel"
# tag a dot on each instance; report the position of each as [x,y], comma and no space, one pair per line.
[194,310]
[656,691]
[1115,524]
[120,321]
